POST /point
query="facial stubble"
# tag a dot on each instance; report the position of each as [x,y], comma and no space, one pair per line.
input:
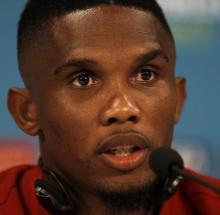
[131,198]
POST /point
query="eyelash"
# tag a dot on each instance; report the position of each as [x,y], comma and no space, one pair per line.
[90,74]
[79,74]
[148,69]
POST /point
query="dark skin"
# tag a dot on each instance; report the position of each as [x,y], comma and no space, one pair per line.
[99,72]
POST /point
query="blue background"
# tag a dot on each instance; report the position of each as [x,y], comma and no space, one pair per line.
[198,47]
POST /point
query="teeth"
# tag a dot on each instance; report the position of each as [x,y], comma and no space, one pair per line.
[122,151]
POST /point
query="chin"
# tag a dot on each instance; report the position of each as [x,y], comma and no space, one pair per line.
[129,193]
[125,182]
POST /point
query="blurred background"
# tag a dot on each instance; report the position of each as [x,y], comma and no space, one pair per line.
[196,27]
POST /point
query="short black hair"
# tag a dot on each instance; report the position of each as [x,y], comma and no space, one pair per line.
[38,13]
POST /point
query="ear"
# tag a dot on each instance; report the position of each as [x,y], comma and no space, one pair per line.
[23,110]
[181,96]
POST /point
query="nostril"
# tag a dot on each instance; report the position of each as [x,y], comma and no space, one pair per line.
[112,120]
[132,119]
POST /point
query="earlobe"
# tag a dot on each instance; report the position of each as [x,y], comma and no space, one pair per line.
[23,110]
[181,96]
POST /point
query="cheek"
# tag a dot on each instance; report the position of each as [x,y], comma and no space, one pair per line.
[159,104]
[159,115]
[66,127]
[165,109]
[69,134]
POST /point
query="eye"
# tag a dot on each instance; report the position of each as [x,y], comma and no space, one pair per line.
[83,80]
[145,75]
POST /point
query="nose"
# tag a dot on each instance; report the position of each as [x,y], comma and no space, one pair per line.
[120,110]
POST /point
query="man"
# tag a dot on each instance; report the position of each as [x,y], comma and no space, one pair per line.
[101,94]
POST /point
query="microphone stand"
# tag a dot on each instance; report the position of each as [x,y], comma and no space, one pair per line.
[184,174]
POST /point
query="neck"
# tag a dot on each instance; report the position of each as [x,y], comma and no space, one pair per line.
[94,206]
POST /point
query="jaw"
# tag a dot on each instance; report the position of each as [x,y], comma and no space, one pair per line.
[128,198]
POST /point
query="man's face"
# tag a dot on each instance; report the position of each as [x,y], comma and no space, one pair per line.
[106,96]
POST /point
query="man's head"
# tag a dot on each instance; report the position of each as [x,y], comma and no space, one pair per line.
[101,91]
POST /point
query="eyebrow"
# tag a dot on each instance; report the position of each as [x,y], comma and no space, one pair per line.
[88,63]
[149,56]
[80,63]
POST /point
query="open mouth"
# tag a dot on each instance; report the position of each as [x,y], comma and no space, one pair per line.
[124,152]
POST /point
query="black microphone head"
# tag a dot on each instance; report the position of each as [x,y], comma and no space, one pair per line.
[163,159]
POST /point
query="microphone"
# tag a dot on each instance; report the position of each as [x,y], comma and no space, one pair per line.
[166,162]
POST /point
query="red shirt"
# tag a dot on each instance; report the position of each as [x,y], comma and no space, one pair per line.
[17,195]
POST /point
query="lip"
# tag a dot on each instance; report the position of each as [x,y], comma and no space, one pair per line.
[123,139]
[128,162]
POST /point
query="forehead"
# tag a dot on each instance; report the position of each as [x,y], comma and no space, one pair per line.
[109,35]
[109,27]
